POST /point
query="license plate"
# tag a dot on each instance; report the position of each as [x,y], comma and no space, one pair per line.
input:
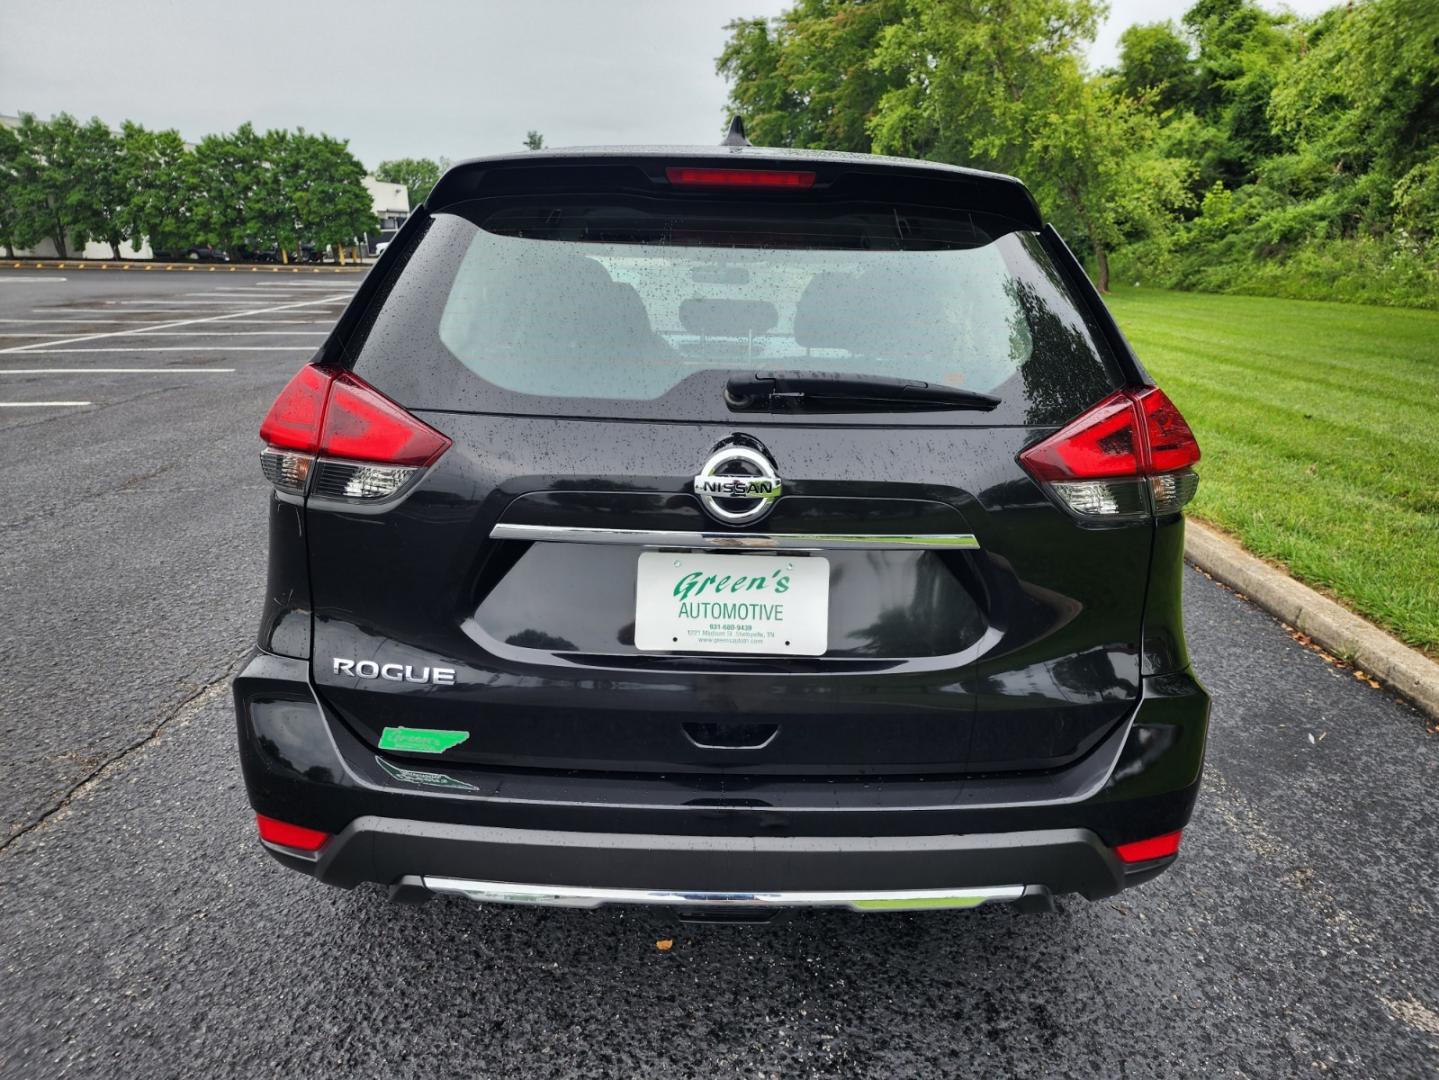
[732,603]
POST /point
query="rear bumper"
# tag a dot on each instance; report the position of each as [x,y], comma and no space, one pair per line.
[585,869]
[423,827]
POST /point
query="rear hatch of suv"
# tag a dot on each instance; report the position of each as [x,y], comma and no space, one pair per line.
[733,482]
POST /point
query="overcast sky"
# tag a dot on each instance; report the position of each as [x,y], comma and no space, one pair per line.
[451,78]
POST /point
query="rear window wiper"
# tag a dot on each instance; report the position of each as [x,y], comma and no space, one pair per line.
[825,391]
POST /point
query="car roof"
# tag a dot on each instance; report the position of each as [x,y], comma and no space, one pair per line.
[1014,198]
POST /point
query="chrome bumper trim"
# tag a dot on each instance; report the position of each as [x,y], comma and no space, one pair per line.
[506,892]
[572,534]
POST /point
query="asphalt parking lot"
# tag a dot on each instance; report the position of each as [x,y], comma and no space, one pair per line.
[144,933]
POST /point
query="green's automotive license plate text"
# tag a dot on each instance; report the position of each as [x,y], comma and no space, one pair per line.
[732,603]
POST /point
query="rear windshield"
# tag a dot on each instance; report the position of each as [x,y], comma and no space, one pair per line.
[641,309]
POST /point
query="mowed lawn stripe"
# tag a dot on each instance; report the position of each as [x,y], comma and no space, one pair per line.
[1281,367]
[1317,423]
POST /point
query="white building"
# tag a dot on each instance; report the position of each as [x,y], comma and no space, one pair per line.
[392,207]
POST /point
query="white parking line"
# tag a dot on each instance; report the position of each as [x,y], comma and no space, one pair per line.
[48,321]
[39,349]
[170,325]
[116,311]
[223,333]
[31,280]
[225,293]
[178,333]
[250,298]
[162,322]
[143,306]
[44,404]
[117,370]
[237,302]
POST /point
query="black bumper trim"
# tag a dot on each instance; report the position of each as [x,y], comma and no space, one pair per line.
[386,850]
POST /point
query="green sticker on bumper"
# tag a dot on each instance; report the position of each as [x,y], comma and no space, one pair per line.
[417,740]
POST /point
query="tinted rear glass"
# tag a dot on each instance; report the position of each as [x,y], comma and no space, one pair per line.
[642,308]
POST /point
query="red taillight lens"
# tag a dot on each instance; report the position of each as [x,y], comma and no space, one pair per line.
[361,424]
[1103,442]
[1156,847]
[751,178]
[1172,444]
[1106,441]
[293,422]
[291,836]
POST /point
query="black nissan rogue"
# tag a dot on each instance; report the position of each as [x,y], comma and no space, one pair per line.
[725,528]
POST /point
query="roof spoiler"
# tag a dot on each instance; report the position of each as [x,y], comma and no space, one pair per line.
[642,170]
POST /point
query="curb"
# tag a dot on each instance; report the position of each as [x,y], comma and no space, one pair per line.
[1340,631]
[193,268]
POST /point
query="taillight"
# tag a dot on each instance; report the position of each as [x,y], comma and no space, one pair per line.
[1127,457]
[686,176]
[293,422]
[332,435]
[1156,847]
[1172,446]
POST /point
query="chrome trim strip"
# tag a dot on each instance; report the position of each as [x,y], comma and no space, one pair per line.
[505,892]
[576,534]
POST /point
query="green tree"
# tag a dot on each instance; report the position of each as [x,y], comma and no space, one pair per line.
[157,174]
[805,79]
[419,175]
[534,140]
[48,167]
[323,182]
[12,161]
[1097,166]
[1005,90]
[994,84]
[758,90]
[1241,49]
[97,199]
[225,181]
[1361,107]
[1154,64]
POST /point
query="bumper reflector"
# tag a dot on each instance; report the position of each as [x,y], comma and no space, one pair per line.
[295,837]
[1156,847]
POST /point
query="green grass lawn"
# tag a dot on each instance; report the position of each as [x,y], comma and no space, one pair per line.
[1319,425]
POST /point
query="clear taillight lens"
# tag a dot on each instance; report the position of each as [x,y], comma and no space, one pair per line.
[355,480]
[332,435]
[286,469]
[1127,457]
